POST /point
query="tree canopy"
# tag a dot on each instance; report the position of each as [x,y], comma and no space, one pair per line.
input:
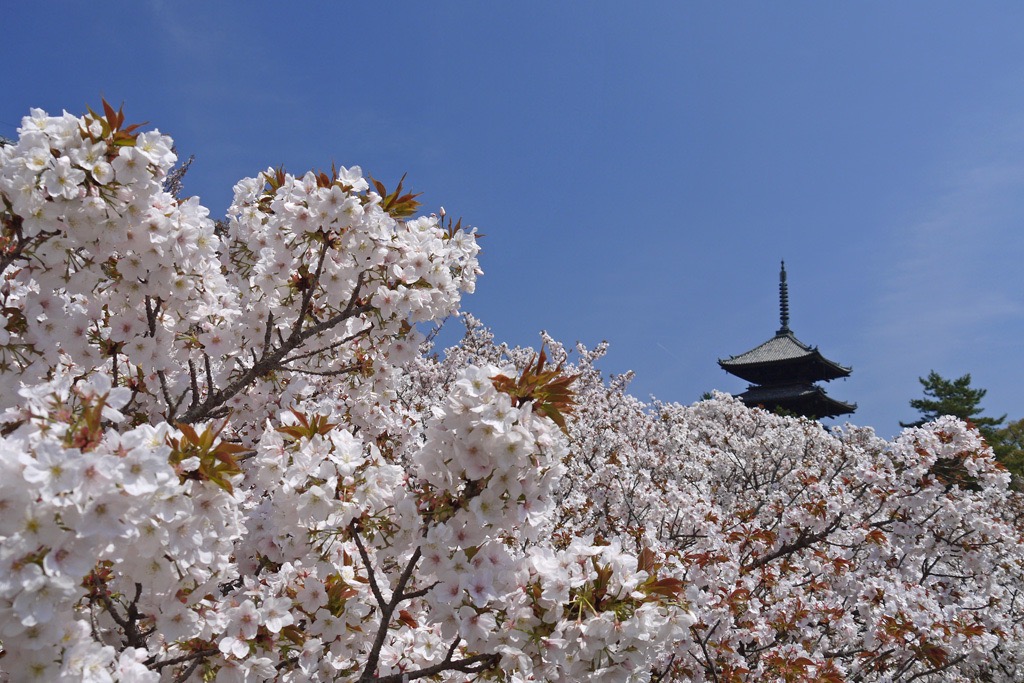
[958,398]
[952,397]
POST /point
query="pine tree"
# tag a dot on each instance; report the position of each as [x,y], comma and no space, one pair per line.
[1008,444]
[953,397]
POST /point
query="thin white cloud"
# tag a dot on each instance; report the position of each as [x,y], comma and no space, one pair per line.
[947,275]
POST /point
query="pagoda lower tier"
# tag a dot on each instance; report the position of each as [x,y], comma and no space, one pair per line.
[801,398]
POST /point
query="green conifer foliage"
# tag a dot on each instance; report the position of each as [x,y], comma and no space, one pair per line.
[952,397]
[958,398]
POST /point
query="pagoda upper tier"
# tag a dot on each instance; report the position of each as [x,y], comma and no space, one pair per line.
[784,358]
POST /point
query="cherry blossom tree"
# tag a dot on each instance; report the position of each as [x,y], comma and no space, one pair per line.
[806,554]
[227,455]
[209,470]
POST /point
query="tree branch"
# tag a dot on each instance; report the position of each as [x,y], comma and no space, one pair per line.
[469,665]
[198,654]
[387,609]
[804,540]
[271,361]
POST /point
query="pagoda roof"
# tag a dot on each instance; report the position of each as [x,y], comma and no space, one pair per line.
[804,399]
[783,357]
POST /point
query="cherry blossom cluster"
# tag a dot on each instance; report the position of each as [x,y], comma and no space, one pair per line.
[318,261]
[106,271]
[489,467]
[102,268]
[96,518]
[805,554]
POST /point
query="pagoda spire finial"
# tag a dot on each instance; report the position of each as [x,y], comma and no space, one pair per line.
[783,301]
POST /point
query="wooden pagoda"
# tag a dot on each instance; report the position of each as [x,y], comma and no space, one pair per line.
[783,371]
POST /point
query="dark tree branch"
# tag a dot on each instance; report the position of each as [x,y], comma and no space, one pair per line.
[938,669]
[272,360]
[307,296]
[803,540]
[387,608]
[657,677]
[469,665]
[330,347]
[365,557]
[192,656]
[187,673]
[267,333]
[129,623]
[709,663]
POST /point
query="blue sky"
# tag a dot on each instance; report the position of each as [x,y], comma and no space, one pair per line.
[639,174]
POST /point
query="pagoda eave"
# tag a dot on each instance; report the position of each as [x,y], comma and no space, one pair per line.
[803,399]
[810,368]
[783,357]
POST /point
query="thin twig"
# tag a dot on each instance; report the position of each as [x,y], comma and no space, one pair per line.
[371,577]
[198,654]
